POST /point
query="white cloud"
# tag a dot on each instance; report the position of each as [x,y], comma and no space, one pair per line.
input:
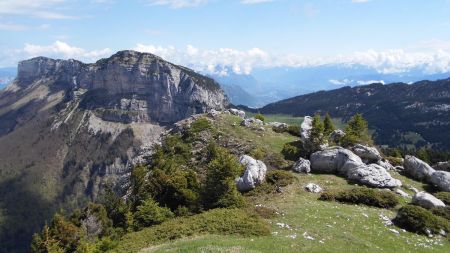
[370,82]
[177,4]
[255,1]
[360,1]
[13,27]
[36,8]
[63,50]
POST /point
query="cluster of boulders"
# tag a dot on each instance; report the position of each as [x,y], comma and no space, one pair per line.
[420,170]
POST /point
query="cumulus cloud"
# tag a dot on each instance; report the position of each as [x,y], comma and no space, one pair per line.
[177,4]
[243,61]
[34,8]
[222,61]
[63,50]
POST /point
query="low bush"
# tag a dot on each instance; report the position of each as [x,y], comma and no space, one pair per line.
[216,221]
[199,125]
[294,130]
[395,161]
[280,178]
[420,220]
[260,117]
[150,213]
[258,153]
[444,196]
[266,212]
[366,196]
[441,211]
[291,151]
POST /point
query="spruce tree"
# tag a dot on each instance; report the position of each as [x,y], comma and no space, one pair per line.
[317,133]
[357,131]
[328,125]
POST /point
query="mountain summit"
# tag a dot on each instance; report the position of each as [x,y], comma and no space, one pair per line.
[69,129]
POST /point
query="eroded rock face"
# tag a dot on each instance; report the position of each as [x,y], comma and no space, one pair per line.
[302,166]
[427,200]
[441,179]
[254,174]
[133,81]
[368,154]
[344,162]
[417,168]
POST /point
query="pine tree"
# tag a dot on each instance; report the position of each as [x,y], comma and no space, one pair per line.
[317,133]
[328,125]
[357,131]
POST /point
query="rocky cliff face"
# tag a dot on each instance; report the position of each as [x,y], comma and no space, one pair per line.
[69,129]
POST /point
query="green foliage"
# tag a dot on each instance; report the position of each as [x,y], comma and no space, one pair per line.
[317,132]
[441,211]
[444,196]
[294,130]
[260,117]
[422,154]
[280,178]
[150,213]
[258,153]
[216,221]
[357,131]
[328,125]
[395,161]
[266,212]
[220,187]
[366,196]
[116,209]
[292,151]
[419,220]
[200,125]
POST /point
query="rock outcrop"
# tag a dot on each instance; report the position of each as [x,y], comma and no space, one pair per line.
[251,121]
[254,174]
[302,166]
[367,154]
[237,112]
[427,200]
[441,179]
[417,168]
[344,162]
[314,188]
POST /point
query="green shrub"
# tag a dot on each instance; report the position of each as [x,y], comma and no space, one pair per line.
[419,220]
[366,196]
[216,221]
[220,187]
[395,161]
[317,136]
[444,196]
[280,178]
[200,125]
[266,212]
[150,213]
[328,125]
[258,153]
[291,151]
[441,211]
[293,130]
[260,117]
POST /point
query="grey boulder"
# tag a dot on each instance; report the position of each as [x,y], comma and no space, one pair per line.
[237,112]
[427,200]
[302,166]
[417,168]
[373,175]
[314,188]
[254,174]
[441,179]
[336,135]
[368,154]
[345,162]
[251,121]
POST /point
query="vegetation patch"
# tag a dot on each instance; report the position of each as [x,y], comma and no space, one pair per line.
[420,220]
[444,196]
[366,196]
[217,221]
[280,178]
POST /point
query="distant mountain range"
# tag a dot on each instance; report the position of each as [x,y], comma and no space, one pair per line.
[410,115]
[264,86]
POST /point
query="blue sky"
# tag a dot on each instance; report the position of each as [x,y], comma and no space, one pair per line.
[390,35]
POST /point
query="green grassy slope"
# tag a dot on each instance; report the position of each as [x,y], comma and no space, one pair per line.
[303,223]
